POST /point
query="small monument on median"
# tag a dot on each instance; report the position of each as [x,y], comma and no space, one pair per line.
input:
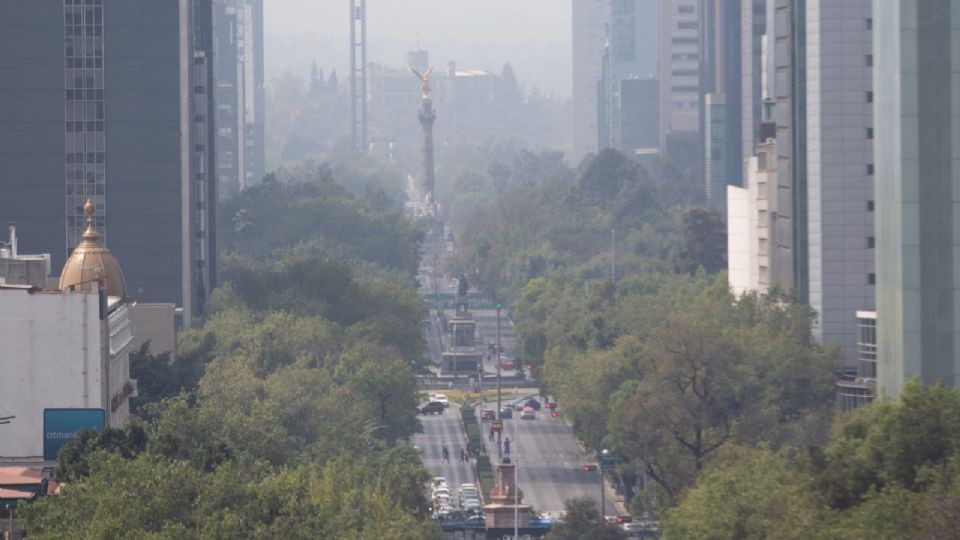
[507,499]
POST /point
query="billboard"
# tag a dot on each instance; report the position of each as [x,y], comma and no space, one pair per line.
[61,426]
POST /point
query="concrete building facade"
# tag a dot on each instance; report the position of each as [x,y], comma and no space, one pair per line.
[680,66]
[240,94]
[112,100]
[589,31]
[916,74]
[60,349]
[839,168]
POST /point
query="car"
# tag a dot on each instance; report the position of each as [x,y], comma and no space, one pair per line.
[528,414]
[438,481]
[440,492]
[487,415]
[469,496]
[533,404]
[440,398]
[506,412]
[505,362]
[472,505]
[433,407]
[632,529]
[475,521]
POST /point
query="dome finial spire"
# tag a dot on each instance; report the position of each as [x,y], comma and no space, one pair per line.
[91,233]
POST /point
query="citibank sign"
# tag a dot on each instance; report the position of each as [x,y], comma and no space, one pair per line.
[61,426]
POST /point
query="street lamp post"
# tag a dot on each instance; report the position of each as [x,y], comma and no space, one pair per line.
[496,358]
[603,506]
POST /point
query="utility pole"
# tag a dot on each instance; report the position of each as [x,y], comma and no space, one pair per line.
[499,406]
[613,257]
[358,75]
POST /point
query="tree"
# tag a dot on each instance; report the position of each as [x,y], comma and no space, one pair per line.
[747,493]
[705,241]
[686,405]
[583,522]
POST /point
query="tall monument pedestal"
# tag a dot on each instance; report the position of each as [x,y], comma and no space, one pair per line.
[507,501]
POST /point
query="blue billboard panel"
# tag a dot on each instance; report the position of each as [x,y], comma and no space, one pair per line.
[61,426]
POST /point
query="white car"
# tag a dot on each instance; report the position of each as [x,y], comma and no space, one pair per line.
[440,491]
[438,481]
[440,398]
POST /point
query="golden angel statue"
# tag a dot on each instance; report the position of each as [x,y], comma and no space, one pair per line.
[424,81]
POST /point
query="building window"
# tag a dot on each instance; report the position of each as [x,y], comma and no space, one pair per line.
[869,133]
[869,59]
[871,242]
[687,25]
[869,206]
[684,41]
[869,97]
[869,24]
[685,9]
[871,279]
[869,169]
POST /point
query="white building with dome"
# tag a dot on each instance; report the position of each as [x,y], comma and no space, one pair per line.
[64,350]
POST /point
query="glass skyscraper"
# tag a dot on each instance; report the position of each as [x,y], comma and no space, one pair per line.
[917,190]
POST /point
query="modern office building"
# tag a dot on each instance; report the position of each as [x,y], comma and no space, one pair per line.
[839,168]
[753,29]
[590,18]
[113,100]
[720,80]
[240,94]
[917,196]
[638,106]
[680,66]
[818,90]
[631,53]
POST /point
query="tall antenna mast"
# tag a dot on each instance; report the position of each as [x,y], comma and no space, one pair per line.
[358,75]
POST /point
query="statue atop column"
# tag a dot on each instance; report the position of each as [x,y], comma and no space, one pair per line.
[462,285]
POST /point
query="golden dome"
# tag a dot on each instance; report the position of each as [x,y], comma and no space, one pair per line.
[91,261]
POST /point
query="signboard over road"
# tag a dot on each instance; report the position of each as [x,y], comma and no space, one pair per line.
[497,425]
[61,426]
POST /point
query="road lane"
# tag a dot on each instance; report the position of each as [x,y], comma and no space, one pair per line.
[550,463]
[438,429]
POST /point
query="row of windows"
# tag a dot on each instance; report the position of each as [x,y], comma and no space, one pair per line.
[79,95]
[685,88]
[685,56]
[94,126]
[684,40]
[83,2]
[87,82]
[687,25]
[75,17]
[685,72]
[77,31]
[78,157]
[84,62]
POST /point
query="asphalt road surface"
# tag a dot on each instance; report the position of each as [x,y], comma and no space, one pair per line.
[437,429]
[550,463]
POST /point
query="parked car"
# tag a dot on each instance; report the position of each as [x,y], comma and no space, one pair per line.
[528,414]
[506,363]
[506,412]
[434,407]
[533,404]
[487,415]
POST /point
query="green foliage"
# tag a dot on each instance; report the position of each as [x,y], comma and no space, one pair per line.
[891,471]
[583,522]
[284,412]
[747,493]
[313,217]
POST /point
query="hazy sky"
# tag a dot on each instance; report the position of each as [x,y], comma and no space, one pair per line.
[532,35]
